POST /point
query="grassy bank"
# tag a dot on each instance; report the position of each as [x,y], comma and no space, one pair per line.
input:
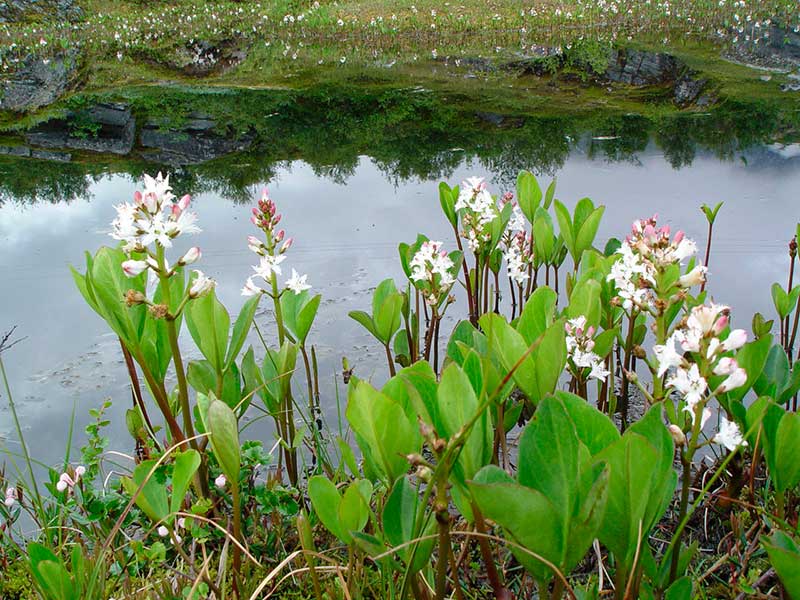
[130,41]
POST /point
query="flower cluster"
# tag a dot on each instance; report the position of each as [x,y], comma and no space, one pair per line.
[154,217]
[478,208]
[519,256]
[433,271]
[703,354]
[70,480]
[646,252]
[580,350]
[271,252]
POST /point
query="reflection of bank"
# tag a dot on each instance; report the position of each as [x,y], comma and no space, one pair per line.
[228,142]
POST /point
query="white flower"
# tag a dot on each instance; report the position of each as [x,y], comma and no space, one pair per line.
[667,356]
[729,435]
[11,497]
[690,384]
[599,371]
[201,285]
[517,220]
[297,283]
[221,481]
[132,268]
[162,531]
[254,244]
[694,277]
[250,289]
[704,317]
[268,265]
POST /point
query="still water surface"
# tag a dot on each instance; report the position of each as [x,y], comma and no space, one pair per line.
[346,237]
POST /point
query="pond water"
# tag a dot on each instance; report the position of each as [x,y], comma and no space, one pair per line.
[347,219]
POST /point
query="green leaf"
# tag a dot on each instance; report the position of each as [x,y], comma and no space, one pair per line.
[529,194]
[781,300]
[457,405]
[365,321]
[354,506]
[152,498]
[399,517]
[595,430]
[528,517]
[240,329]
[584,237]
[186,465]
[784,554]
[786,468]
[383,426]
[447,199]
[585,301]
[224,432]
[325,499]
[537,315]
[208,323]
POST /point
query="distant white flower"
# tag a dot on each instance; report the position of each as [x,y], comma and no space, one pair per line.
[729,435]
[11,497]
[162,531]
[250,288]
[221,481]
[268,265]
[297,283]
[201,285]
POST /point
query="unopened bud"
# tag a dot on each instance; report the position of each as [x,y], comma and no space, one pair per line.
[793,247]
[279,236]
[639,352]
[286,245]
[424,474]
[677,434]
[439,445]
[191,256]
[415,459]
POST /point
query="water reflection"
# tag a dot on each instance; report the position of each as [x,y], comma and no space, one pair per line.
[347,222]
[409,134]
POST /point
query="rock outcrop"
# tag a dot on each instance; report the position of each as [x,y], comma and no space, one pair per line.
[107,128]
[38,82]
[28,10]
[192,143]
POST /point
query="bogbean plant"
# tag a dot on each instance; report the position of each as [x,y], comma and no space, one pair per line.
[562,422]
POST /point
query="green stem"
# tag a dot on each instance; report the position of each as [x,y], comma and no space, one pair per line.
[686,482]
[780,504]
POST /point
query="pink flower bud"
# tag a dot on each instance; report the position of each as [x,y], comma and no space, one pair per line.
[176,210]
[678,237]
[132,268]
[183,203]
[191,256]
[286,245]
[276,219]
[279,236]
[137,197]
[254,220]
[720,325]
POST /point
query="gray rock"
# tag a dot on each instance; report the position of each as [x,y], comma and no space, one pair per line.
[688,89]
[635,67]
[27,10]
[38,82]
[187,146]
[115,131]
[15,150]
[53,155]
